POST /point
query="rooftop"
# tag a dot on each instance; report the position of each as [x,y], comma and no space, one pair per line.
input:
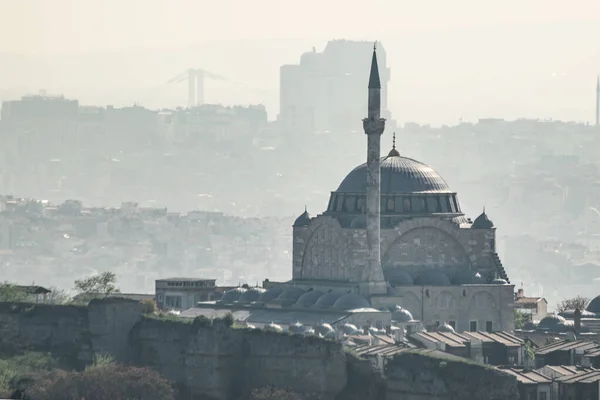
[527,377]
[582,377]
[565,345]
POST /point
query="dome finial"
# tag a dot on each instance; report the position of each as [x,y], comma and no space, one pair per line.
[394,152]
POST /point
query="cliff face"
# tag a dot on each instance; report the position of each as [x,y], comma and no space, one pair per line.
[222,362]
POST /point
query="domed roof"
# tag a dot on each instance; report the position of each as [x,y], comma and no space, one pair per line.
[432,277]
[328,299]
[551,322]
[251,295]
[309,298]
[499,281]
[270,294]
[398,175]
[232,295]
[349,329]
[297,327]
[324,328]
[467,277]
[398,276]
[351,301]
[302,220]
[594,305]
[482,222]
[400,314]
[571,314]
[273,327]
[290,294]
[445,328]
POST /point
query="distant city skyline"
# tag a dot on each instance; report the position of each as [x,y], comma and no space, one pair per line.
[463,61]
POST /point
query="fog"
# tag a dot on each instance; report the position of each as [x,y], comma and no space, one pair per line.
[533,64]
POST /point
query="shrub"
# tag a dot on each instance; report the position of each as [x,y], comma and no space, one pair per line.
[103,381]
[148,306]
[273,393]
[15,369]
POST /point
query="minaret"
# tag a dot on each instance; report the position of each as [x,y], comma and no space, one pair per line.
[374,126]
[598,101]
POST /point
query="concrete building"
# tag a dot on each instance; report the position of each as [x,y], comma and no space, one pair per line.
[535,307]
[183,293]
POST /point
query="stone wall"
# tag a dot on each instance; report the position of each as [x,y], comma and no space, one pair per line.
[222,362]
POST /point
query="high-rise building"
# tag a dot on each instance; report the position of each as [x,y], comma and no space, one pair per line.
[325,91]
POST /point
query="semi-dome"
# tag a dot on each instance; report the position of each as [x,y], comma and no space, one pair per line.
[482,222]
[400,314]
[399,175]
[351,301]
[328,299]
[570,314]
[551,322]
[594,306]
[270,294]
[467,277]
[432,277]
[308,299]
[232,295]
[251,295]
[398,276]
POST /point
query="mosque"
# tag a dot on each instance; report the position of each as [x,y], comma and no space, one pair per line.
[393,237]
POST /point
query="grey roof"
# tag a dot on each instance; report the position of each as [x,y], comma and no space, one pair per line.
[291,294]
[374,82]
[302,220]
[185,280]
[251,295]
[467,277]
[351,301]
[583,377]
[232,295]
[328,299]
[565,345]
[550,322]
[526,377]
[594,305]
[288,317]
[398,175]
[309,298]
[398,276]
[432,277]
[270,294]
[400,314]
[214,313]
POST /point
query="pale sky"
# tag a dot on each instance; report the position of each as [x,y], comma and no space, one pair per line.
[449,59]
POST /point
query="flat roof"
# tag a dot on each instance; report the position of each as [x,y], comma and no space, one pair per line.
[185,280]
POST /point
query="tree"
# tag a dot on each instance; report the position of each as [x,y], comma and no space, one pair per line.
[102,381]
[103,285]
[273,393]
[521,318]
[57,296]
[578,302]
[10,292]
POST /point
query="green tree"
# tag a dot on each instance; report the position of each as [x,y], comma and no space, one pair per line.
[273,393]
[578,302]
[57,296]
[10,292]
[528,351]
[97,285]
[521,318]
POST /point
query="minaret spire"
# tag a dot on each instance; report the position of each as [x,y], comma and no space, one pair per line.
[374,125]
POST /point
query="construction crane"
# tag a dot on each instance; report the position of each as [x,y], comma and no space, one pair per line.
[195,78]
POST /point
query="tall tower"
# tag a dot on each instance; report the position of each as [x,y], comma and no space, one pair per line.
[374,126]
[598,101]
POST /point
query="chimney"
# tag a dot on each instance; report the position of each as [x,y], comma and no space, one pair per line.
[520,293]
[577,320]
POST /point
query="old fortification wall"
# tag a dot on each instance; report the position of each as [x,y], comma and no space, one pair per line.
[222,362]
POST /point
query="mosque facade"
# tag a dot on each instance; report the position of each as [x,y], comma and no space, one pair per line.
[431,259]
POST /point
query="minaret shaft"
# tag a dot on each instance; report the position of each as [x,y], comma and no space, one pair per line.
[374,126]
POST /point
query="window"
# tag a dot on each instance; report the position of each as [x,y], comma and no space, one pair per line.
[160,298]
[473,326]
[452,324]
[173,302]
[488,326]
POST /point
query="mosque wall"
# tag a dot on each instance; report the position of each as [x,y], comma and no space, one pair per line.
[462,305]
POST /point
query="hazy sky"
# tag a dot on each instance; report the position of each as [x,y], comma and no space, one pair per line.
[449,59]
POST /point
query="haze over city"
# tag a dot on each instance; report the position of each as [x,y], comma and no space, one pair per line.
[465,59]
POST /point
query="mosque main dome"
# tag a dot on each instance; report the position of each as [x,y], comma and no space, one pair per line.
[409,188]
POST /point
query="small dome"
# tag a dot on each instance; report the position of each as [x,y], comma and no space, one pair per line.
[324,329]
[309,332]
[401,315]
[291,294]
[297,328]
[550,322]
[302,220]
[270,294]
[273,327]
[432,277]
[499,281]
[251,295]
[570,314]
[445,328]
[398,276]
[308,299]
[594,306]
[482,222]
[328,299]
[467,277]
[351,301]
[232,295]
[529,326]
[349,329]
[374,331]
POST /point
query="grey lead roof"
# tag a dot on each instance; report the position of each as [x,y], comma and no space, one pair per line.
[399,175]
